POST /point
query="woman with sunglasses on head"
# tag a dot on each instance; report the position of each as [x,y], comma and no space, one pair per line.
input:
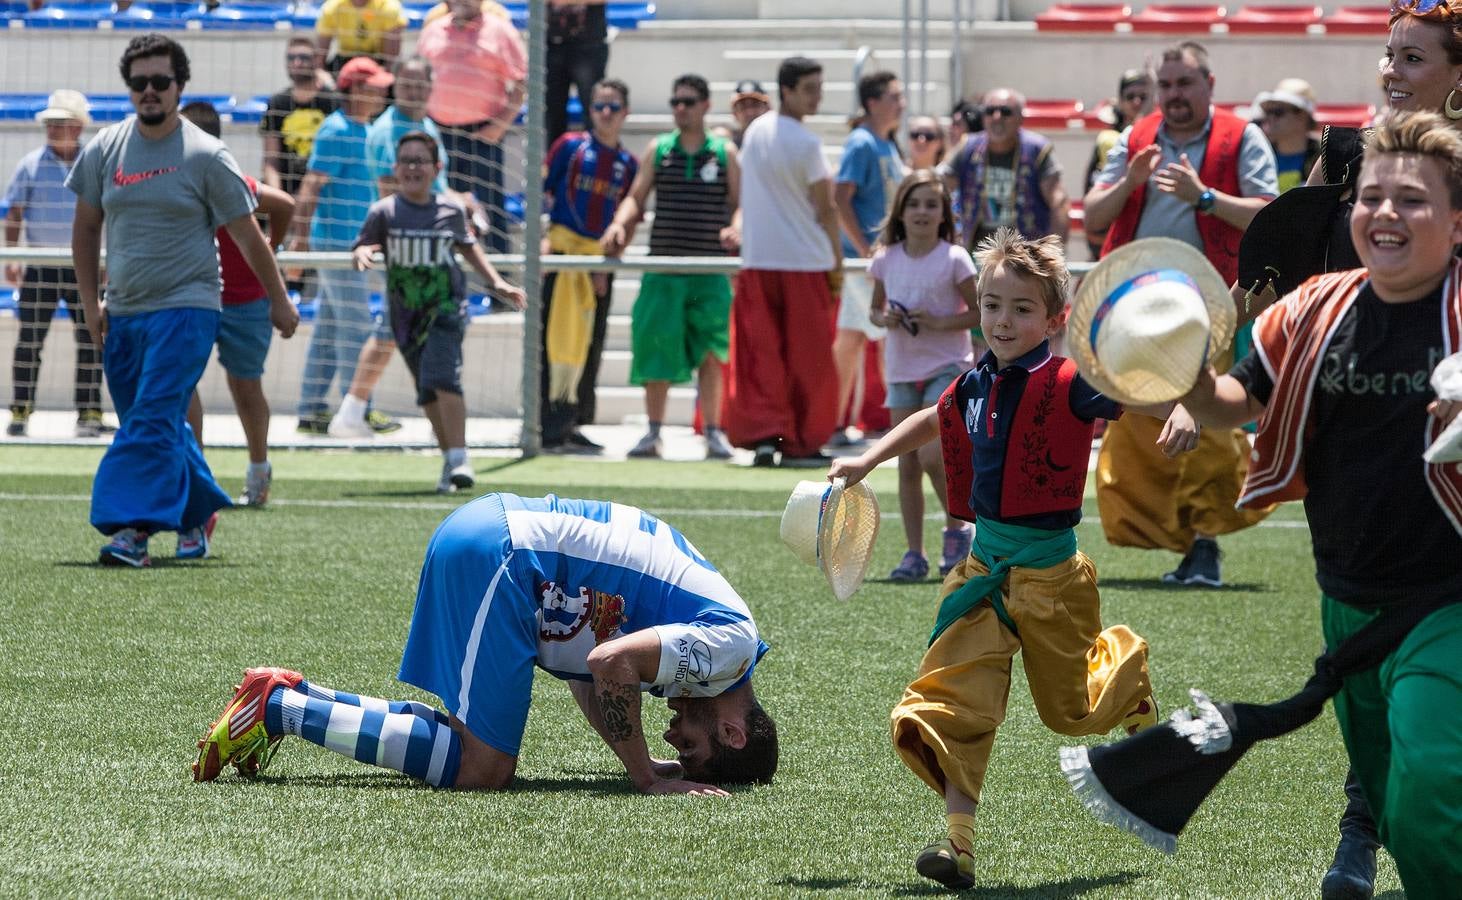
[1134,100]
[926,143]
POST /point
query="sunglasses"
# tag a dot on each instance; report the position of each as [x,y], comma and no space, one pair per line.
[678,102]
[414,162]
[607,107]
[923,136]
[139,83]
[1006,111]
[300,57]
[911,327]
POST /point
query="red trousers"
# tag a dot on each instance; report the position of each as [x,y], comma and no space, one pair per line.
[783,380]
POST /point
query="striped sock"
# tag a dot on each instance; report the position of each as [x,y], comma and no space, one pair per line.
[404,735]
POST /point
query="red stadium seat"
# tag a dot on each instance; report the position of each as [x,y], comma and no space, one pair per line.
[1274,19]
[1349,115]
[1357,20]
[1053,114]
[1083,16]
[1180,19]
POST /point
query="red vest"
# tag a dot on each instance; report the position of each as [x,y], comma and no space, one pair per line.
[1046,457]
[1219,171]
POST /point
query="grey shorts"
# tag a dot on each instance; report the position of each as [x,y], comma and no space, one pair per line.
[921,394]
[436,361]
[244,333]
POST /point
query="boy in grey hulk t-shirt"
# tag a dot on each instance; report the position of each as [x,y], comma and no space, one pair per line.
[418,232]
[163,201]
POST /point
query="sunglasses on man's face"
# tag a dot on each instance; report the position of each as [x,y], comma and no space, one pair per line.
[140,83]
[923,135]
[1006,111]
[301,57]
[608,107]
[678,102]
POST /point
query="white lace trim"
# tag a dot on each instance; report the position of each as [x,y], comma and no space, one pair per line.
[1089,790]
[1208,731]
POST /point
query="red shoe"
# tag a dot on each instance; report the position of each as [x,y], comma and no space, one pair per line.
[238,736]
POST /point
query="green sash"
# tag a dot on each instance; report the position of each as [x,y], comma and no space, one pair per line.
[1002,547]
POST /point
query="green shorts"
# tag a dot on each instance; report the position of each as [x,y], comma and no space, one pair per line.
[677,320]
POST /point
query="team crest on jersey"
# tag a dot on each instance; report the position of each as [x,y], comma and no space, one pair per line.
[710,171]
[565,615]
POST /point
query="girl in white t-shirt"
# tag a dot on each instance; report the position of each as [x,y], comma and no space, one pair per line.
[924,294]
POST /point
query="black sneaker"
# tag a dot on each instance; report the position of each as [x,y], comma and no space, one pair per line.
[815,461]
[316,424]
[1205,564]
[1183,572]
[765,455]
[19,418]
[581,442]
[380,422]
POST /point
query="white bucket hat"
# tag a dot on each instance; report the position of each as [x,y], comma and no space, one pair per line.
[832,526]
[1147,319]
[64,105]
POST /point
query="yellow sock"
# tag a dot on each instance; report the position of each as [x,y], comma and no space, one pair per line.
[962,831]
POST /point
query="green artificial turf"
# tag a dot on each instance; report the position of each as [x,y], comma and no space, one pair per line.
[110,677]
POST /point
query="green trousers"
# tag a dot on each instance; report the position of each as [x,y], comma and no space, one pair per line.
[1402,724]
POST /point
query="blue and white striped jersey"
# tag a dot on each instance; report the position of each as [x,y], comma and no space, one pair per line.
[601,570]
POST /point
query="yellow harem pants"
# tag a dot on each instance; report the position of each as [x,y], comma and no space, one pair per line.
[1148,500]
[1082,678]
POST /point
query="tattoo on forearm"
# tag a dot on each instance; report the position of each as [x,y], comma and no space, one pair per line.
[614,706]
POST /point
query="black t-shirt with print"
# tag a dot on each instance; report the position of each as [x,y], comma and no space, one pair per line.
[1379,536]
[295,124]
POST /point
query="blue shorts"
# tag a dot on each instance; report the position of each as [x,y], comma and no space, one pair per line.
[921,394]
[474,634]
[244,332]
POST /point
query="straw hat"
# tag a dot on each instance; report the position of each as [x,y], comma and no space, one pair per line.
[1147,319]
[65,106]
[833,527]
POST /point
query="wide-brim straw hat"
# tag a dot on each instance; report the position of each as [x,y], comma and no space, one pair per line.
[1147,319]
[833,527]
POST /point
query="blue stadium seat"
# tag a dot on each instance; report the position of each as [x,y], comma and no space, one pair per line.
[304,14]
[70,14]
[250,111]
[629,15]
[13,9]
[21,107]
[8,302]
[162,15]
[416,11]
[243,15]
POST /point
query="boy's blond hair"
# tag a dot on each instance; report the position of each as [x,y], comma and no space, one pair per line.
[1043,259]
[1424,134]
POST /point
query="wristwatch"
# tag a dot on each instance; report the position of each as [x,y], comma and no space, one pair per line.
[1205,201]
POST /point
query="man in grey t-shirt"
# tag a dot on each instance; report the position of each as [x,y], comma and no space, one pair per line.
[160,187]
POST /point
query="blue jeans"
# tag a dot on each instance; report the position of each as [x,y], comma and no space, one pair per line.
[342,324]
[153,476]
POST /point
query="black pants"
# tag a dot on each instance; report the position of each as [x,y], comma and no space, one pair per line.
[579,65]
[1357,822]
[475,167]
[557,419]
[42,289]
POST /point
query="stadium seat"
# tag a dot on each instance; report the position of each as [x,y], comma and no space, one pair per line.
[242,15]
[21,107]
[8,302]
[1348,115]
[1274,19]
[1083,17]
[13,9]
[304,14]
[69,14]
[1173,18]
[154,16]
[250,111]
[1053,114]
[629,15]
[1357,20]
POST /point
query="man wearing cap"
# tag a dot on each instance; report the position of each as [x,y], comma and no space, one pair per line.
[160,186]
[480,64]
[1287,115]
[1007,176]
[601,595]
[337,192]
[1197,174]
[748,103]
[39,207]
[784,390]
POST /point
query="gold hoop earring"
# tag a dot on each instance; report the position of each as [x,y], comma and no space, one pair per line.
[1452,112]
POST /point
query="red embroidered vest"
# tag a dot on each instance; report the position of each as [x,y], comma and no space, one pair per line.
[1046,457]
[1219,170]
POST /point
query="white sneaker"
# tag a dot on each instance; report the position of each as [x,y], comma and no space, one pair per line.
[444,484]
[649,447]
[354,427]
[717,447]
[462,476]
[256,487]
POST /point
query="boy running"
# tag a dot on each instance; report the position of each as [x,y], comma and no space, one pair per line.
[418,231]
[1016,435]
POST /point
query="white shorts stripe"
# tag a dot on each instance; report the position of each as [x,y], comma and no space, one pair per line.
[469,659]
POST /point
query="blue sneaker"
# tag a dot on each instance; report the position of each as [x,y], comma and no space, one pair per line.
[956,548]
[913,567]
[127,547]
[194,543]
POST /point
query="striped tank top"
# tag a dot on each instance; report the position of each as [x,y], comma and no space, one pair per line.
[692,198]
